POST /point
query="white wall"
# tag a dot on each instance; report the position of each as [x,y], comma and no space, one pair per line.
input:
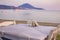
[42,16]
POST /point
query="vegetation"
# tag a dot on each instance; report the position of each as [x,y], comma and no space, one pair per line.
[58,37]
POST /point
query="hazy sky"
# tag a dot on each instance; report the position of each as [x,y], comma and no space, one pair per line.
[46,4]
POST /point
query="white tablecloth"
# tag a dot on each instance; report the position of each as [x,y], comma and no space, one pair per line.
[45,29]
[23,30]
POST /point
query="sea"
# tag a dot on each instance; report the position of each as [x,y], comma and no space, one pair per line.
[33,15]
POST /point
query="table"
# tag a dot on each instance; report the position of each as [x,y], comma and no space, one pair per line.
[24,32]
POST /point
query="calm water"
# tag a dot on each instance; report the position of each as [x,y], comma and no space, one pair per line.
[37,15]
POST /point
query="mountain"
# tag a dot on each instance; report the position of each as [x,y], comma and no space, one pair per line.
[23,6]
[28,6]
[7,7]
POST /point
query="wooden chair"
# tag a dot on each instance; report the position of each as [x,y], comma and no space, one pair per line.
[7,23]
[33,23]
[53,34]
